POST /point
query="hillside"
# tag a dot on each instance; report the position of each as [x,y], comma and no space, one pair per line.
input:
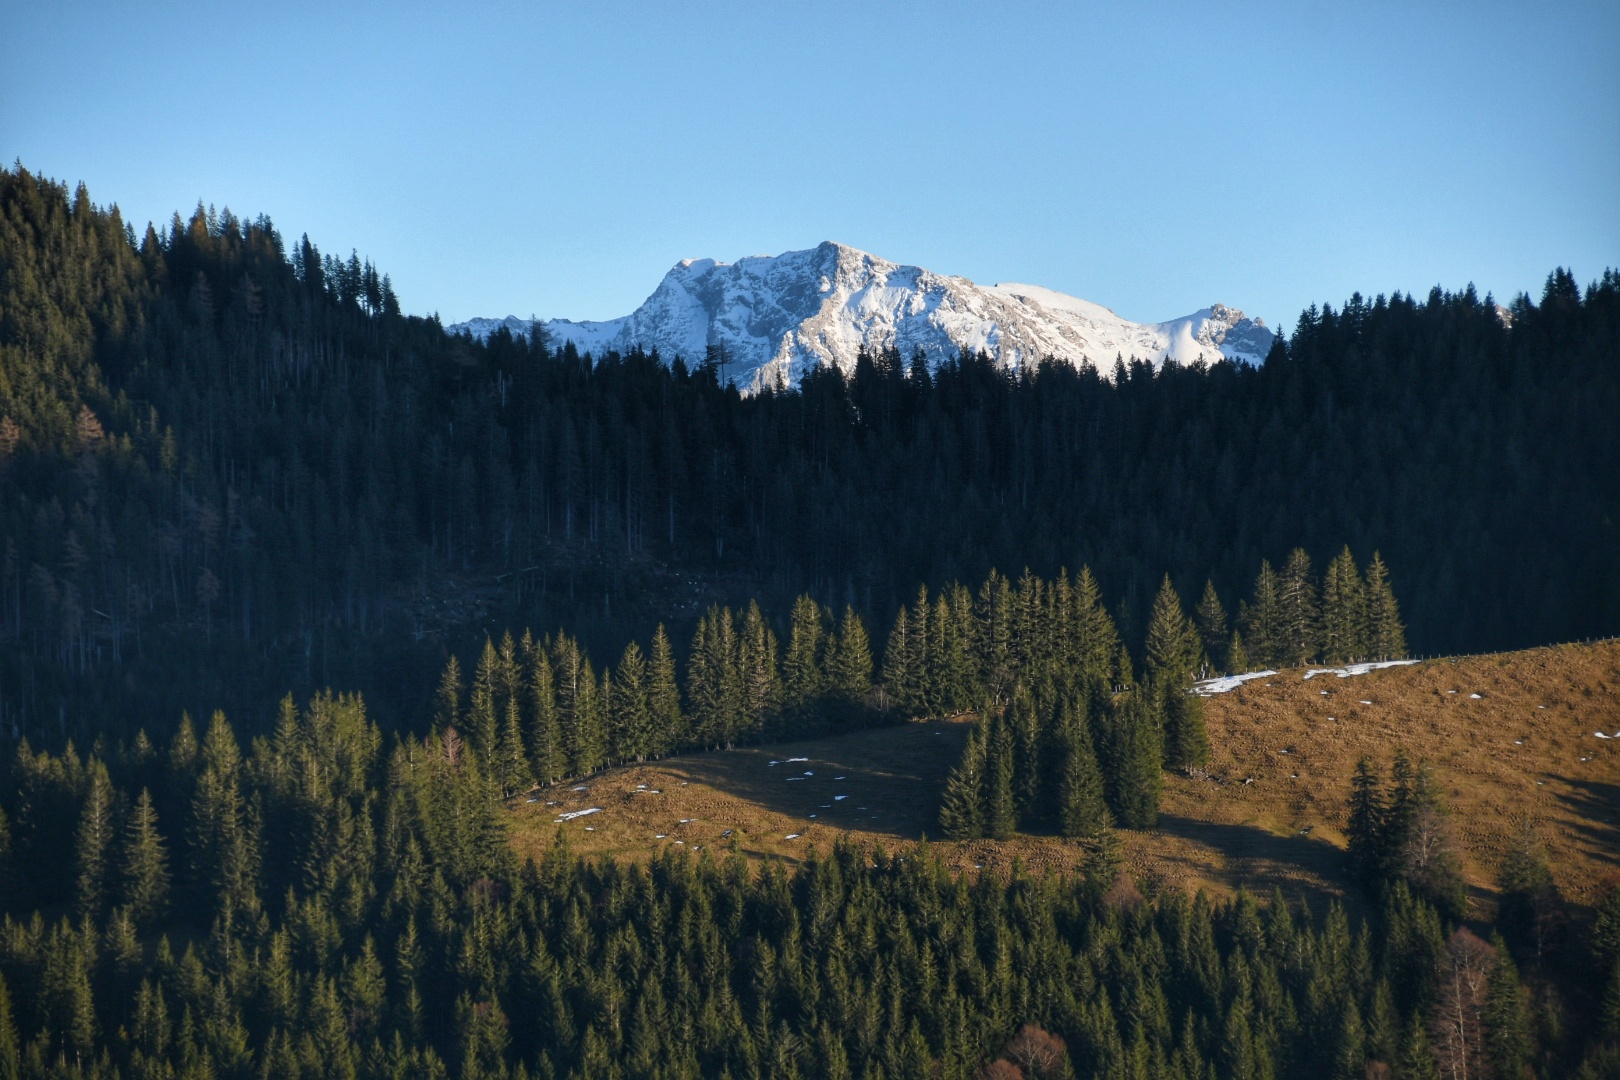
[1524,748]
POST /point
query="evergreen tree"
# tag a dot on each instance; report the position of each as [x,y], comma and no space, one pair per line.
[630,733]
[664,697]
[1264,635]
[1135,760]
[1343,628]
[543,738]
[1386,637]
[961,811]
[222,845]
[145,863]
[10,1046]
[1237,657]
[1000,809]
[802,669]
[1172,650]
[482,723]
[1298,610]
[447,702]
[1082,808]
[93,843]
[1212,629]
[898,677]
[762,683]
[1367,826]
[1507,1022]
[849,669]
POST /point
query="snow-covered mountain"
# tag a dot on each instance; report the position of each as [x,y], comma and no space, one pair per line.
[779,316]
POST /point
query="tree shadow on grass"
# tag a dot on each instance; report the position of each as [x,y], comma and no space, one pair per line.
[891,777]
[1597,803]
[1260,860]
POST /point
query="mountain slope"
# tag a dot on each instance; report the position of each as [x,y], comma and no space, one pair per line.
[777,317]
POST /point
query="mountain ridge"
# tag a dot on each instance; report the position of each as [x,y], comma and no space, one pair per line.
[778,316]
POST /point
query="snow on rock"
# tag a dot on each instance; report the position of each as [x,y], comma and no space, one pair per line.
[774,318]
[1357,669]
[1209,687]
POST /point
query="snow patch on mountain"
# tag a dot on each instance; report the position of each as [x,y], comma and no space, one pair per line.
[776,317]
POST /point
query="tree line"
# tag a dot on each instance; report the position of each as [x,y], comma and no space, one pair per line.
[218,445]
[330,901]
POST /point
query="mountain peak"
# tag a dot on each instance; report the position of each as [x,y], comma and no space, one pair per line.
[779,316]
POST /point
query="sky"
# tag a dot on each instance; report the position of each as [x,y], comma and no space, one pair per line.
[556,160]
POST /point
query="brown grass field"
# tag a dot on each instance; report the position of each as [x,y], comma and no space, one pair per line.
[1520,753]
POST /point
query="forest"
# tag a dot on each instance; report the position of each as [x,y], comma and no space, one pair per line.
[229,466]
[235,477]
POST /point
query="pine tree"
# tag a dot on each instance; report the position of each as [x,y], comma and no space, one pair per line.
[1212,628]
[1343,636]
[961,811]
[664,697]
[145,863]
[1082,808]
[511,759]
[1000,809]
[1386,637]
[93,842]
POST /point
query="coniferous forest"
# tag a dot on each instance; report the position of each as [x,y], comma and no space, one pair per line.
[236,481]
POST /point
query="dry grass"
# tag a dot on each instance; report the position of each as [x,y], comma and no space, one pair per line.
[1512,754]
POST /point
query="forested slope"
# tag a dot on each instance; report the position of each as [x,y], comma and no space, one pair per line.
[231,466]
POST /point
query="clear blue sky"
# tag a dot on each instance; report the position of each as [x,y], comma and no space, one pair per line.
[532,158]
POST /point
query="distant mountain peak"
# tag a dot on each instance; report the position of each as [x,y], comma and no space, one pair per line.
[779,316]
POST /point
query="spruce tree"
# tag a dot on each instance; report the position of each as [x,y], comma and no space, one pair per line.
[93,842]
[801,668]
[1000,807]
[761,680]
[1135,761]
[1367,825]
[1212,629]
[897,674]
[664,698]
[447,702]
[961,811]
[1299,610]
[1082,807]
[850,667]
[542,738]
[1237,657]
[10,1046]
[1386,637]
[223,848]
[630,730]
[483,726]
[1507,1022]
[1343,628]
[1172,650]
[145,863]
[1262,620]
